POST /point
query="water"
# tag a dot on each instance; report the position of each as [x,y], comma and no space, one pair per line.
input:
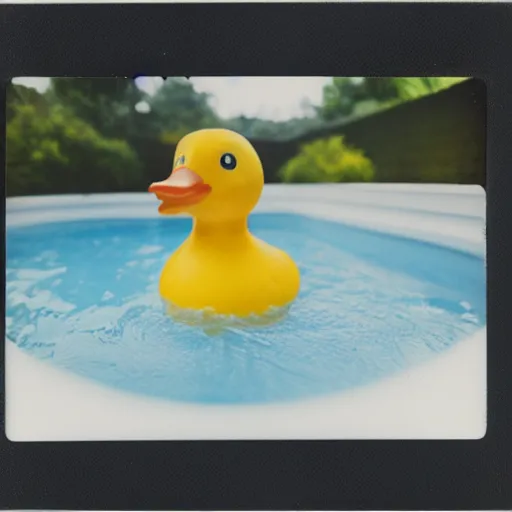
[84,296]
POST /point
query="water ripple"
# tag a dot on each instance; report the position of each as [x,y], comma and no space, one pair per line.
[84,296]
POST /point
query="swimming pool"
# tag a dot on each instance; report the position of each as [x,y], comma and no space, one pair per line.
[82,296]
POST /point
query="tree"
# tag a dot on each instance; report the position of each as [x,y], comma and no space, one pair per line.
[107,104]
[253,127]
[346,97]
[178,108]
[413,88]
[19,95]
[50,150]
[339,98]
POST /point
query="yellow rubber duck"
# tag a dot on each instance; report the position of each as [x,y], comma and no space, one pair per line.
[218,179]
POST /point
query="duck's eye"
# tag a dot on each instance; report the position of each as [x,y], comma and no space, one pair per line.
[179,161]
[228,161]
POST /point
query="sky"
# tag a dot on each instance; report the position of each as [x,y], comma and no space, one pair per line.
[273,98]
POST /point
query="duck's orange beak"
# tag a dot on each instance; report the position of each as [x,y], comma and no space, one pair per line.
[181,189]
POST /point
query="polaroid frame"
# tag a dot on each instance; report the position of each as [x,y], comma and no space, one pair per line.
[280,39]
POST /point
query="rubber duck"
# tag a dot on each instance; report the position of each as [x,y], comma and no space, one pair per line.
[217,178]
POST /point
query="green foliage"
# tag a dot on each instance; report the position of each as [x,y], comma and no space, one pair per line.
[340,96]
[20,95]
[178,107]
[50,150]
[328,160]
[78,135]
[255,128]
[107,104]
[413,88]
[346,97]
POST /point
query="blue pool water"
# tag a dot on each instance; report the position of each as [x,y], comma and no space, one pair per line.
[83,295]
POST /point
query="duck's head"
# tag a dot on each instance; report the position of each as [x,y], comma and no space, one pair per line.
[217,175]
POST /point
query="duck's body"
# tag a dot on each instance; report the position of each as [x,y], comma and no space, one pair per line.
[232,273]
[221,266]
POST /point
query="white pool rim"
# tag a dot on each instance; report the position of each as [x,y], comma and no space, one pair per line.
[442,399]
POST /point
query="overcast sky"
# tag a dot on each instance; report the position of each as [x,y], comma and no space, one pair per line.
[274,98]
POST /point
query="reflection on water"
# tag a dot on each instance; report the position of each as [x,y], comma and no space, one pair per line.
[214,324]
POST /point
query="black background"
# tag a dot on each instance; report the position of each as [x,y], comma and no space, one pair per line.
[288,39]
